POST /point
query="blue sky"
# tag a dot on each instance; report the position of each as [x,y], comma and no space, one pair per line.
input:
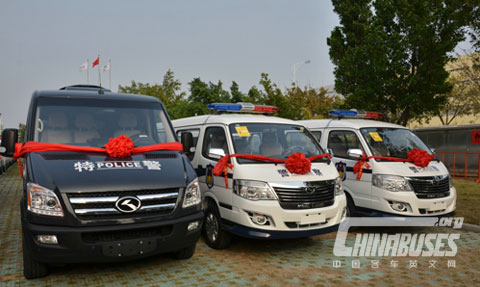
[43,43]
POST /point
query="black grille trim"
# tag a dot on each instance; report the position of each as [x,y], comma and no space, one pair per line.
[97,237]
[427,187]
[298,198]
[120,194]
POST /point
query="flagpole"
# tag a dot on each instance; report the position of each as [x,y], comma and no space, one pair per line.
[110,74]
[99,76]
[88,69]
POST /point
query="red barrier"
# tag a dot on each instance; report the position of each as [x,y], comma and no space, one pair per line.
[451,165]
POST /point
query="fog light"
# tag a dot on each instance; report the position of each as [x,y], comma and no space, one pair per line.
[193,225]
[259,219]
[47,239]
[344,213]
[399,206]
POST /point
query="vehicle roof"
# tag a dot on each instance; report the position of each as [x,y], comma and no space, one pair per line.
[445,128]
[230,118]
[348,123]
[92,94]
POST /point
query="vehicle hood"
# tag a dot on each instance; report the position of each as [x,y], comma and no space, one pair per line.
[269,172]
[72,171]
[408,168]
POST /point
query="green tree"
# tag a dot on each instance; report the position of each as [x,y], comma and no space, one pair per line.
[235,93]
[169,92]
[201,94]
[389,55]
[474,24]
[310,103]
[254,96]
[21,132]
[272,95]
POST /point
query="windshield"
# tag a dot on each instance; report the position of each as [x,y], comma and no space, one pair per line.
[92,122]
[392,141]
[274,140]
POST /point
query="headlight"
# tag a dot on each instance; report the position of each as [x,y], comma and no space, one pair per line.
[41,200]
[192,194]
[450,181]
[391,182]
[338,186]
[253,190]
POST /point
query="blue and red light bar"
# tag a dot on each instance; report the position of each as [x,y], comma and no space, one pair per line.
[355,114]
[243,107]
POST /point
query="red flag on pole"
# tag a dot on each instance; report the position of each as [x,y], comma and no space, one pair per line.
[96,62]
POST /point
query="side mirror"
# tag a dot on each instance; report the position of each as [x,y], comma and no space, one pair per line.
[9,139]
[216,153]
[355,153]
[330,151]
[187,141]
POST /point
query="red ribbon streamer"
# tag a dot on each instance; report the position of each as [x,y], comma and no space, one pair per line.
[418,157]
[116,147]
[295,163]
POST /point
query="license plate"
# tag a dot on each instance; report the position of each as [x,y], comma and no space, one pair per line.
[439,205]
[129,247]
[312,218]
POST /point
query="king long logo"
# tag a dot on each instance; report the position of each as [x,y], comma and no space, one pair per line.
[341,168]
[209,176]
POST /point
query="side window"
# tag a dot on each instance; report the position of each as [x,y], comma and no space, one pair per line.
[341,141]
[195,133]
[317,135]
[214,138]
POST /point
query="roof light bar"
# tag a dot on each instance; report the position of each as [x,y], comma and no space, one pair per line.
[243,107]
[355,113]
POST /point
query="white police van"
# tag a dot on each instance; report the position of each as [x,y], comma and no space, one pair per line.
[386,186]
[260,199]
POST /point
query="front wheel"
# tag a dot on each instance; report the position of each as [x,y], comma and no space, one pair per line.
[31,268]
[351,210]
[214,236]
[185,253]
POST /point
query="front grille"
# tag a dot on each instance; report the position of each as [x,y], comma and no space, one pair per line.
[64,156]
[96,237]
[102,205]
[430,186]
[314,195]
[153,155]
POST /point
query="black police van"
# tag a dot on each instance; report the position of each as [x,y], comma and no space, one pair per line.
[88,207]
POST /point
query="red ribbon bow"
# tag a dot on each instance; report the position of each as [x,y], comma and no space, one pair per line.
[116,147]
[418,157]
[295,163]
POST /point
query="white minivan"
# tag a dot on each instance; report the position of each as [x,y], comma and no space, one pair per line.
[260,199]
[386,186]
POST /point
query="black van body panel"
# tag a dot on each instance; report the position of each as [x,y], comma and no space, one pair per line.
[88,240]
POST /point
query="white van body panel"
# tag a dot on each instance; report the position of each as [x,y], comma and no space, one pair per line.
[235,208]
[363,193]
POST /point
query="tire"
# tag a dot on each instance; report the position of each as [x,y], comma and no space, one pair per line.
[212,232]
[185,253]
[351,210]
[32,269]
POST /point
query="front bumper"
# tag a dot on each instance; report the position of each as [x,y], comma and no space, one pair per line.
[111,243]
[286,223]
[418,206]
[256,233]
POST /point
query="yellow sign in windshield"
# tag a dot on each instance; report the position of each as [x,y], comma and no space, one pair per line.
[242,131]
[376,137]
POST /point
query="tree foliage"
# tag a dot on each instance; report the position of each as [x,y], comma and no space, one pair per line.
[389,55]
[294,102]
[465,96]
[169,92]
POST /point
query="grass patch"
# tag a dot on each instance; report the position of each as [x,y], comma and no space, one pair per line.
[468,200]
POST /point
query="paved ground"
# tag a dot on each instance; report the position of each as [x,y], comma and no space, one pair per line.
[306,262]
